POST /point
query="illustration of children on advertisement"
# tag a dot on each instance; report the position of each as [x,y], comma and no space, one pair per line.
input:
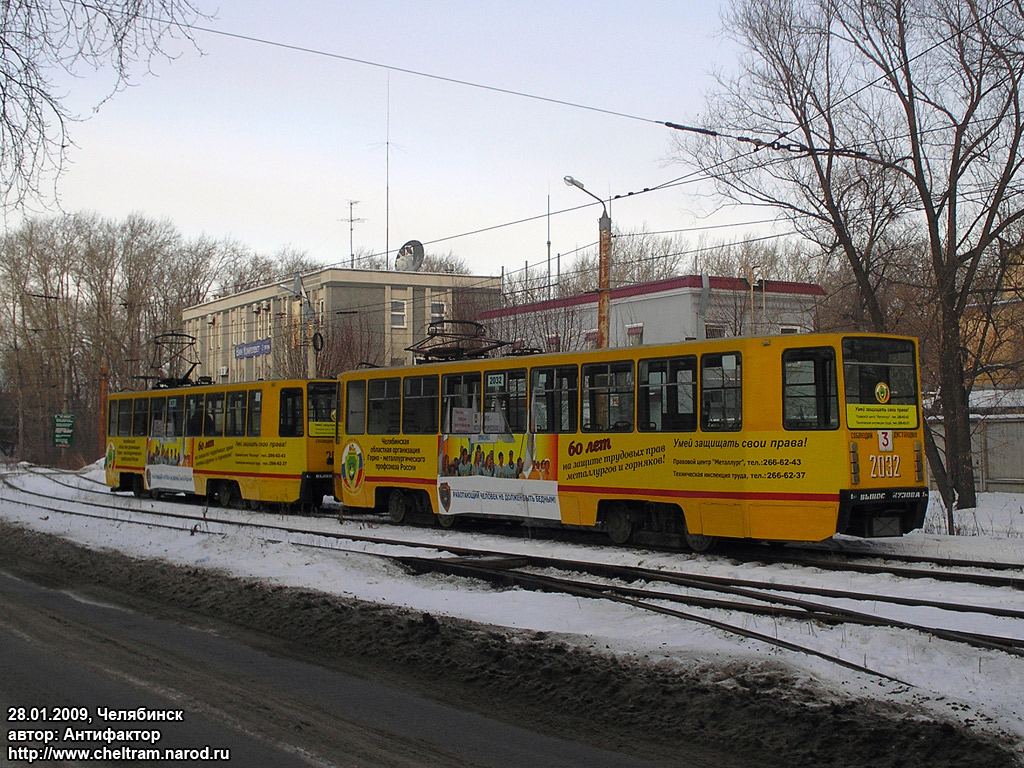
[169,459]
[483,468]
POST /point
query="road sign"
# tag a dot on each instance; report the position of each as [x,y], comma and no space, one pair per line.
[63,429]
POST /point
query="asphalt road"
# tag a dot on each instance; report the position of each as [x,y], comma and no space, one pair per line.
[60,649]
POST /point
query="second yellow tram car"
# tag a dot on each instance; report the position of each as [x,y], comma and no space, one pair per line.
[262,442]
[784,438]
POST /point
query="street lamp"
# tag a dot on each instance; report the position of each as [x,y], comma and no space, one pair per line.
[604,225]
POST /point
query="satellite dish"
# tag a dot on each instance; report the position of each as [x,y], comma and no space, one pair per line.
[410,256]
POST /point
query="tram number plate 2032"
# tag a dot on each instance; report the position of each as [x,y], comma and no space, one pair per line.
[885,465]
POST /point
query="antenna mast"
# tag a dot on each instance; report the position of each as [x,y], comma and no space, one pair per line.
[352,221]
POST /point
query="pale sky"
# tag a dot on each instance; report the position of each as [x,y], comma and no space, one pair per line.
[268,145]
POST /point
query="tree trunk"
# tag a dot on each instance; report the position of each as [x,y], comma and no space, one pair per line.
[954,406]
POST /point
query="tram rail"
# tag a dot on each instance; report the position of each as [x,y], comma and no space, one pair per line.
[603,580]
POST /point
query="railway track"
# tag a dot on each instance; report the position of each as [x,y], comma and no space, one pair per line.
[828,557]
[707,599]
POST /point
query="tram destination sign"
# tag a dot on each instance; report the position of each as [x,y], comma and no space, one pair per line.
[63,429]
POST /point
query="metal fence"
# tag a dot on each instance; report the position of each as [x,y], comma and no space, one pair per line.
[998,448]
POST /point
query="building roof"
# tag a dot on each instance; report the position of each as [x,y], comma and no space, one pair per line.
[333,276]
[997,401]
[682,282]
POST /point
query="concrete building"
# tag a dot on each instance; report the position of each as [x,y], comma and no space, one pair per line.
[328,321]
[680,308]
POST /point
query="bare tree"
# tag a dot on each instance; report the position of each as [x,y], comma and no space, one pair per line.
[900,122]
[80,295]
[351,341]
[444,262]
[638,256]
[39,40]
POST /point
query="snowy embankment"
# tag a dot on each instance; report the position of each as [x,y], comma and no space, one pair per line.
[977,687]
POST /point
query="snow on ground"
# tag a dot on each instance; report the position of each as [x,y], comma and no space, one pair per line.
[980,688]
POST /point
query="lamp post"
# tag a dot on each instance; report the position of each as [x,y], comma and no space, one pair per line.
[604,225]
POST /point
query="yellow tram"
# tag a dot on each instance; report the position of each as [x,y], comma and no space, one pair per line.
[267,441]
[787,438]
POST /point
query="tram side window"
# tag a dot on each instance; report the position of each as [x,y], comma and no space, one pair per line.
[721,407]
[254,422]
[384,398]
[140,416]
[420,402]
[213,424]
[112,418]
[234,414]
[554,398]
[505,402]
[607,397]
[355,408]
[667,395]
[194,415]
[157,406]
[124,418]
[175,417]
[809,392]
[462,403]
[290,423]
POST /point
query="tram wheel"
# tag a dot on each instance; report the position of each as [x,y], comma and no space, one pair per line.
[618,523]
[399,506]
[698,542]
[138,487]
[446,521]
[226,494]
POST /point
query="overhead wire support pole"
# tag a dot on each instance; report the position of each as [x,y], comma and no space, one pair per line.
[604,226]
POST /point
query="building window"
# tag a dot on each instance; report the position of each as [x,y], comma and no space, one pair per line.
[714,331]
[437,310]
[398,314]
[635,334]
[590,340]
[789,329]
[554,343]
